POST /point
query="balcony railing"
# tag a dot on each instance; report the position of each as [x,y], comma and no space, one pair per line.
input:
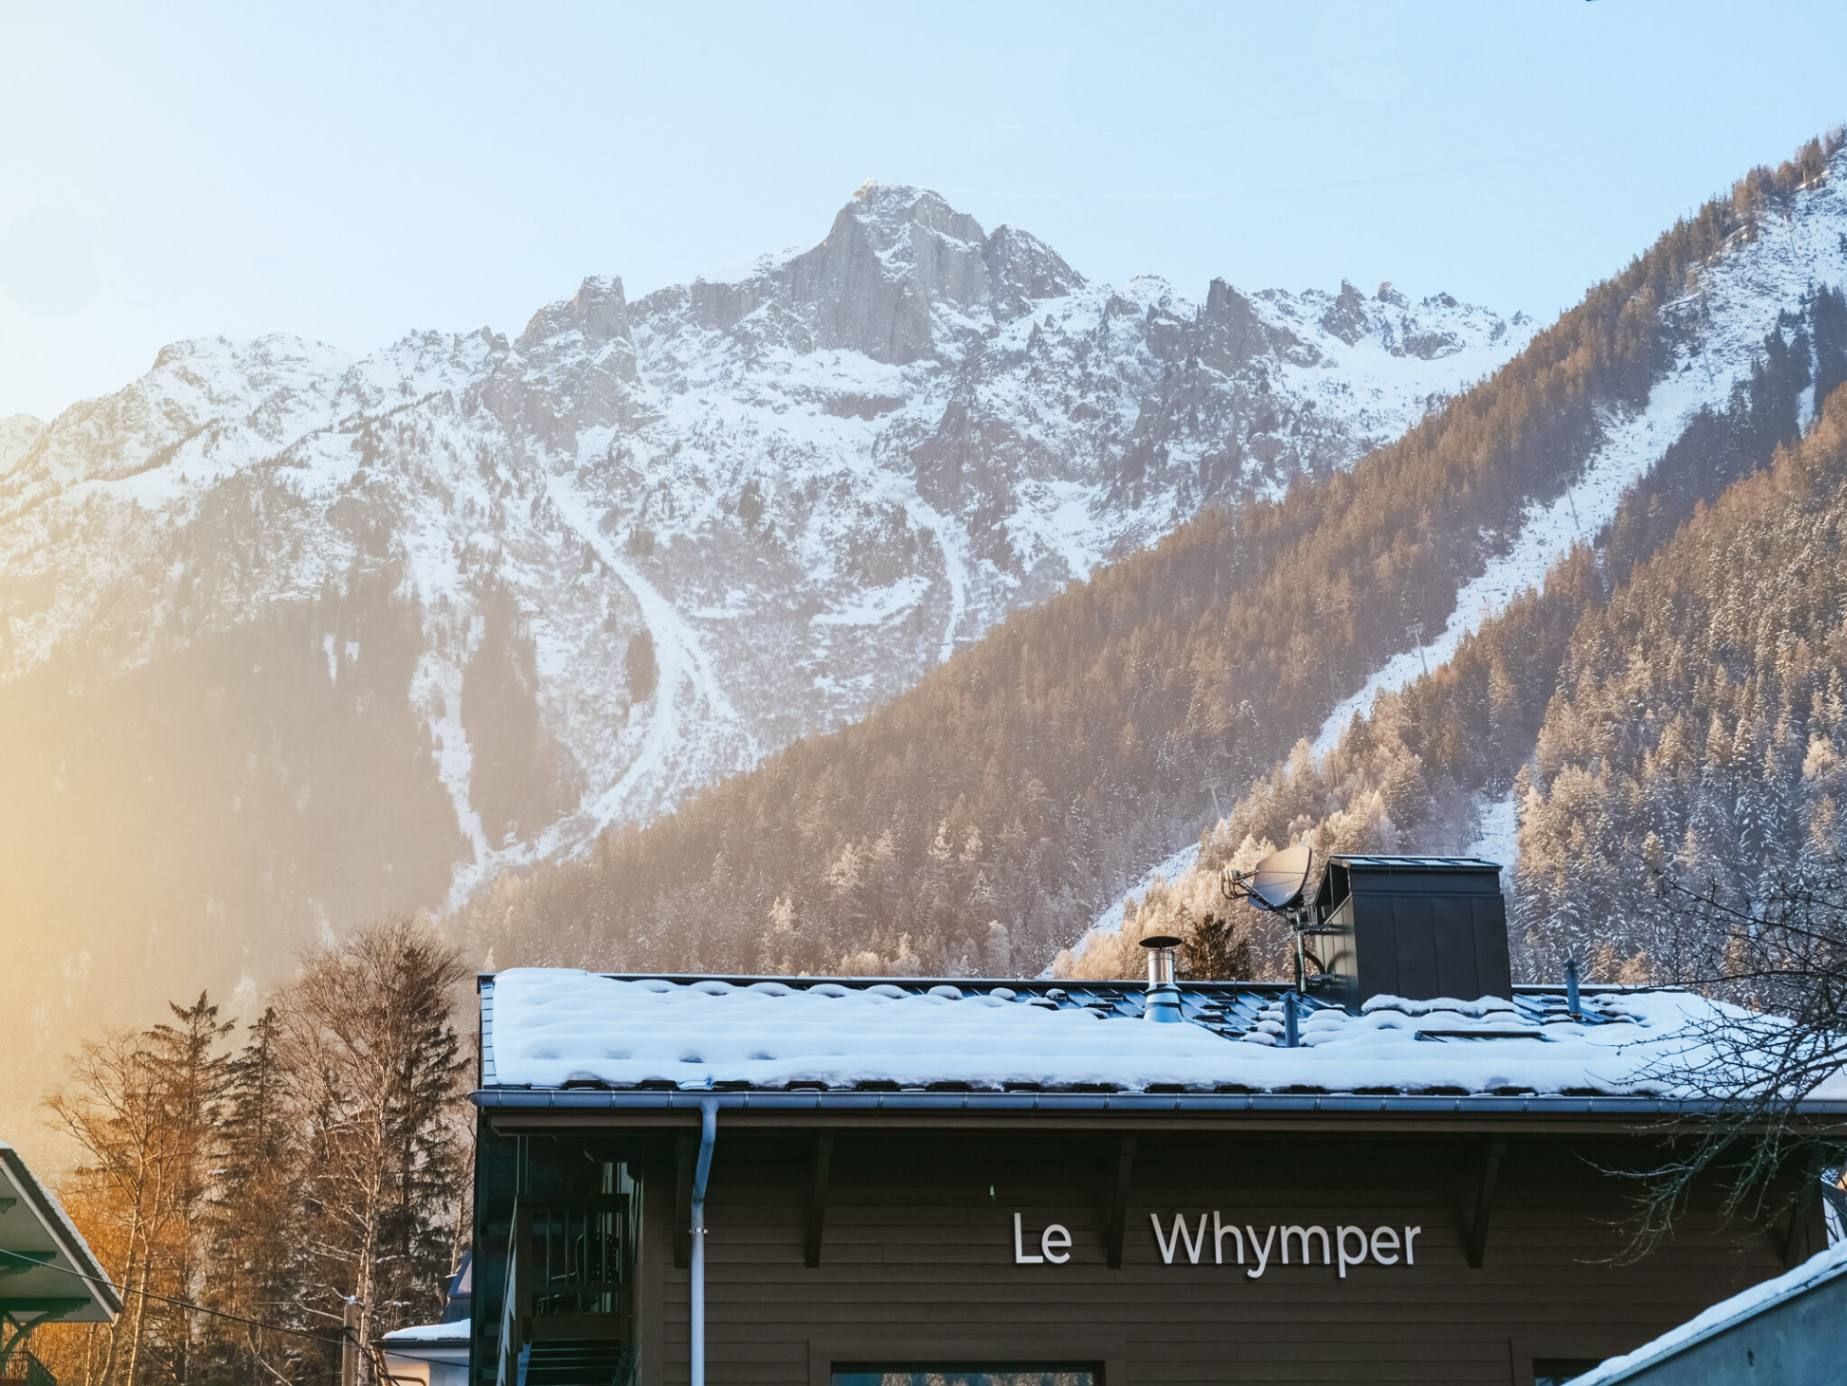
[568,1267]
[23,1369]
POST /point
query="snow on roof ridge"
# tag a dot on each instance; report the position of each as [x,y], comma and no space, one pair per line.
[1817,1270]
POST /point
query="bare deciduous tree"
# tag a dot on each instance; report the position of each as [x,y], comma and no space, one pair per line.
[131,1182]
[372,1058]
[1781,964]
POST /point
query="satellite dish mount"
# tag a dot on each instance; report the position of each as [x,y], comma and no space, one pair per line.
[1278,885]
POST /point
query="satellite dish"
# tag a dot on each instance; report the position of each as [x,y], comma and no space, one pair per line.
[1278,885]
[1275,884]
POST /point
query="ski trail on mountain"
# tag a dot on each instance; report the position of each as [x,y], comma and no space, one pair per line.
[685,685]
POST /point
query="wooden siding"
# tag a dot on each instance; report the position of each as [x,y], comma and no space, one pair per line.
[917,1259]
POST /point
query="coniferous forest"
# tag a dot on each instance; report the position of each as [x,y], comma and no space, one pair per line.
[1692,735]
[241,1176]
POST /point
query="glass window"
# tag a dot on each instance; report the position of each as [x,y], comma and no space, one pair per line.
[910,1374]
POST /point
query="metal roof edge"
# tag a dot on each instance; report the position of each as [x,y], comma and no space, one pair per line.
[1203,1103]
[62,1230]
[484,982]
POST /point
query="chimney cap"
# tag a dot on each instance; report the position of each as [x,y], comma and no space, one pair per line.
[1160,941]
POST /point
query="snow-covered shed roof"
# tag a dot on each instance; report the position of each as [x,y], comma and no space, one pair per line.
[1825,1267]
[44,1261]
[429,1335]
[566,1038]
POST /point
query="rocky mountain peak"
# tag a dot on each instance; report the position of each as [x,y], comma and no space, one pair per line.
[1346,316]
[597,312]
[891,210]
[1231,331]
[1022,268]
[17,435]
[893,256]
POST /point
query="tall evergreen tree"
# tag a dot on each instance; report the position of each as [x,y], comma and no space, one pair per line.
[257,1270]
[189,1071]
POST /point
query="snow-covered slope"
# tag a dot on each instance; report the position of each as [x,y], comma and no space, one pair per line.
[1720,323]
[1763,283]
[788,494]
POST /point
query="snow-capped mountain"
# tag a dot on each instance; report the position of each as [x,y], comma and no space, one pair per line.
[974,822]
[690,528]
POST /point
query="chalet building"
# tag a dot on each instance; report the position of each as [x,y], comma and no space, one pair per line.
[47,1272]
[881,1182]
[435,1354]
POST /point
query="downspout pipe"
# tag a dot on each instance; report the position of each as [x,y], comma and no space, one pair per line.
[702,1170]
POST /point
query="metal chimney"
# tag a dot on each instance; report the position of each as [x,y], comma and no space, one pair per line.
[1163,1003]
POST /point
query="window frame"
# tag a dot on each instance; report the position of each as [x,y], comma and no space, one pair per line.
[1106,1358]
[984,1366]
[1582,1344]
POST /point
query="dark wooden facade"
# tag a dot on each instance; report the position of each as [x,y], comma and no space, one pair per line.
[867,1240]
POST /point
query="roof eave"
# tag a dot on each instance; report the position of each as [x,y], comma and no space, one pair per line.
[587,1101]
[97,1286]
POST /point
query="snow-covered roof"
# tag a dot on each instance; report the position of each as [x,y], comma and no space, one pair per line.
[555,1031]
[428,1335]
[43,1256]
[1817,1270]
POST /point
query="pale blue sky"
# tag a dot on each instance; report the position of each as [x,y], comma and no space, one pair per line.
[354,173]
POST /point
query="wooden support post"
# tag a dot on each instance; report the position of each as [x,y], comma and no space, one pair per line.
[685,1149]
[1119,1200]
[816,1214]
[349,1344]
[1487,1178]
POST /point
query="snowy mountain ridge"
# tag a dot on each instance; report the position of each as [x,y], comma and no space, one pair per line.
[806,486]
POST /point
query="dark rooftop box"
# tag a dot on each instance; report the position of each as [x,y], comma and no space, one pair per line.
[1417,927]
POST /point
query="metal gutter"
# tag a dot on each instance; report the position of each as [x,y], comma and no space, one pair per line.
[702,1172]
[587,1100]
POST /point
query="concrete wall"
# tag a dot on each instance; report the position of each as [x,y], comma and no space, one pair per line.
[419,1371]
[1800,1342]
